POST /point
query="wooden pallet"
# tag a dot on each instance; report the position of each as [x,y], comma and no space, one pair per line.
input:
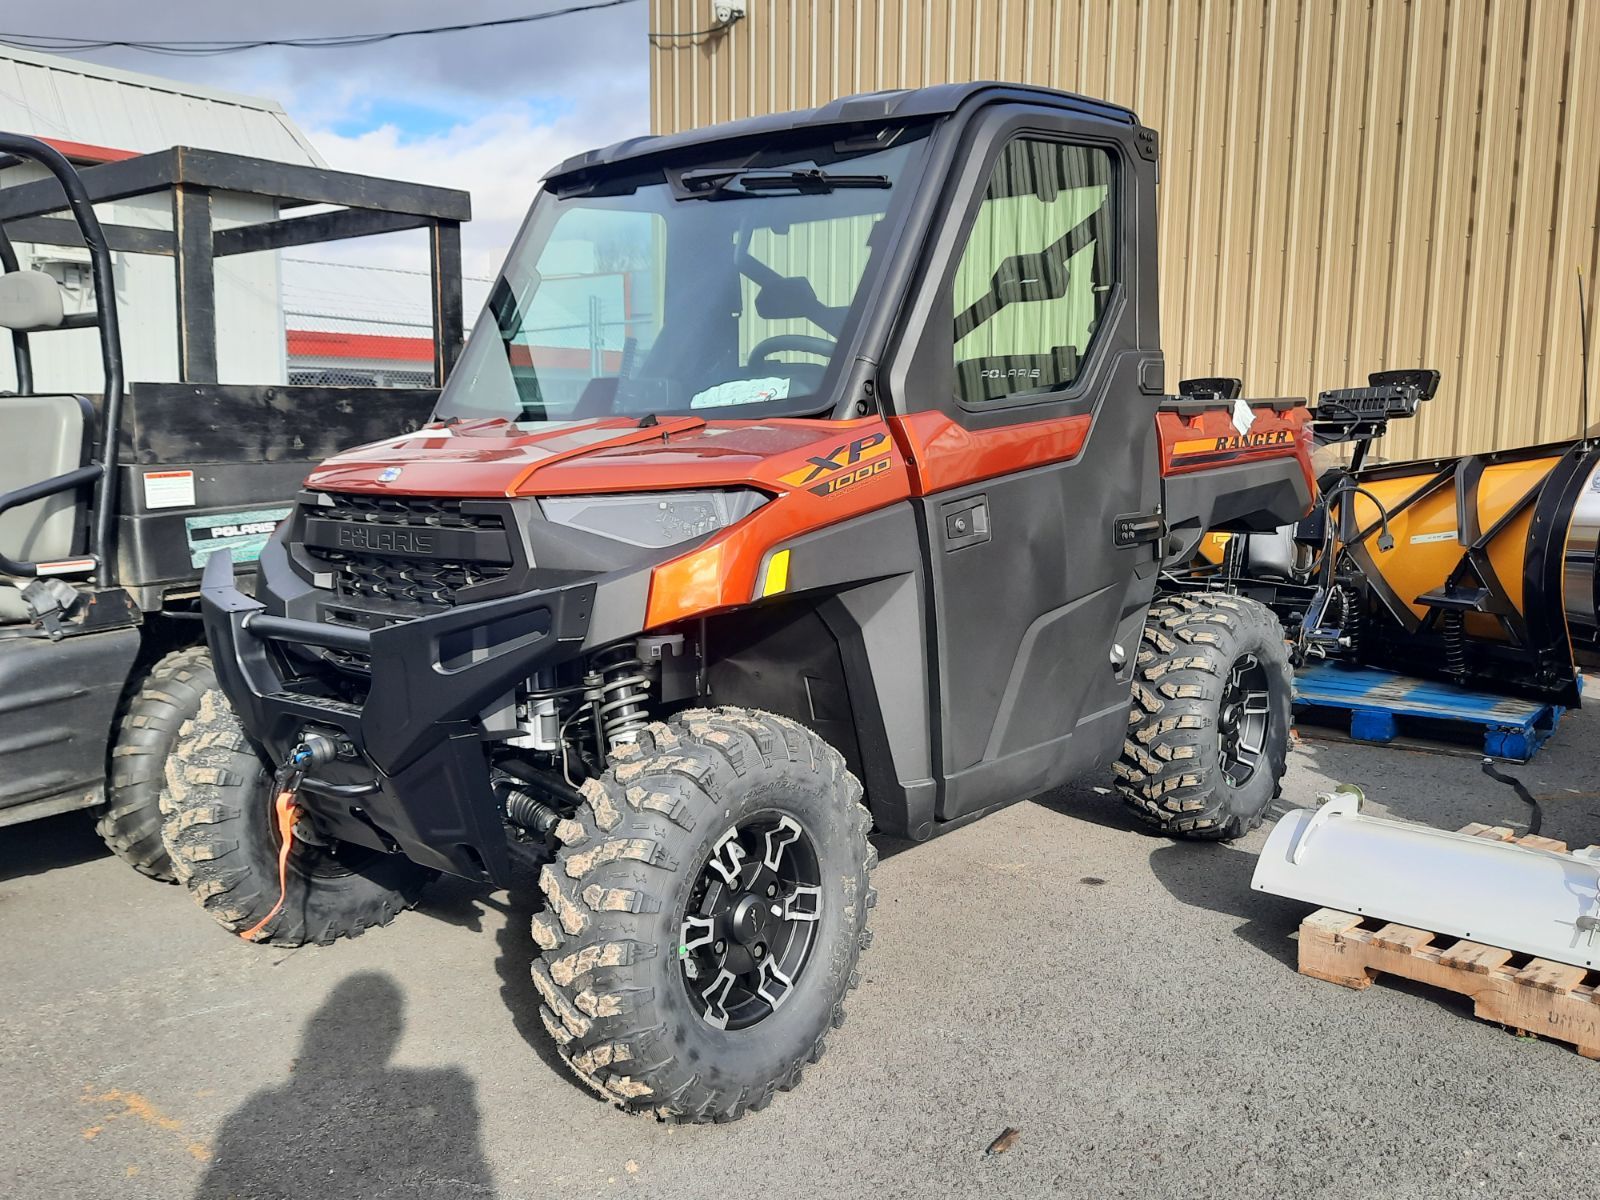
[1530,996]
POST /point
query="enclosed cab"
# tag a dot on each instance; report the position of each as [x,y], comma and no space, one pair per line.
[791,461]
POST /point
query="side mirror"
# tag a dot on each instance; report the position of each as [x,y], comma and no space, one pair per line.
[30,300]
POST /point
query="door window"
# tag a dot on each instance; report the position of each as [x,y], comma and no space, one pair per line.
[1037,273]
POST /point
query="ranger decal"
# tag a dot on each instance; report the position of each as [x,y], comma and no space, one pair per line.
[1238,441]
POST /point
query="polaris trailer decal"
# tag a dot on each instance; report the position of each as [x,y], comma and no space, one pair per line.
[241,533]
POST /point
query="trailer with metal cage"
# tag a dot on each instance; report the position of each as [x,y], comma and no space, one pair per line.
[110,502]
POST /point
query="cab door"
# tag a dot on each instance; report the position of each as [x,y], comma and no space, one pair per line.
[1026,405]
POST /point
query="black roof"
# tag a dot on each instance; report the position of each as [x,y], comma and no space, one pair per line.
[870,107]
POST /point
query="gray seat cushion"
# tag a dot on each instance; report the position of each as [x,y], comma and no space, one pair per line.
[40,436]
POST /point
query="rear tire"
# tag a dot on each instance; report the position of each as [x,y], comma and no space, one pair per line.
[1208,734]
[169,695]
[630,973]
[221,834]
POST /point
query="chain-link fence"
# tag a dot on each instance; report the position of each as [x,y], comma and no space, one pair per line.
[350,325]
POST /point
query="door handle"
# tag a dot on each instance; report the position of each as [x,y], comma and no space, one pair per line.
[1133,529]
[966,522]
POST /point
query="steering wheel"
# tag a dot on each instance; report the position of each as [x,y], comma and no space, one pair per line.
[800,343]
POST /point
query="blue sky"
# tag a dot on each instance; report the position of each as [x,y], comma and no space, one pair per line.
[488,110]
[416,121]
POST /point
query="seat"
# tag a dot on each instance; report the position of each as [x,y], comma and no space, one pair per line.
[40,437]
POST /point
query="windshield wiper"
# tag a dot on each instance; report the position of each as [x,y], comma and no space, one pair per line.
[722,180]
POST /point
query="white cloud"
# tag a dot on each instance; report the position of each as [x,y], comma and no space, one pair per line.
[522,97]
[499,157]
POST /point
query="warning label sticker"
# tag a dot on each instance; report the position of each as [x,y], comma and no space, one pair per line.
[169,489]
[241,533]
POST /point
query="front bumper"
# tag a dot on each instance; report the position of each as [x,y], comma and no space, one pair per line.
[420,781]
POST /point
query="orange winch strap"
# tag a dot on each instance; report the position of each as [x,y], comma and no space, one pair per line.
[287,813]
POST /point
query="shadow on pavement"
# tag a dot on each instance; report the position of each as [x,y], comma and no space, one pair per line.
[1215,876]
[1077,800]
[1104,807]
[347,1123]
[35,847]
[463,904]
[513,962]
[458,902]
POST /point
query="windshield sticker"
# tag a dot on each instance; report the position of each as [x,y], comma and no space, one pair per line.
[242,534]
[741,391]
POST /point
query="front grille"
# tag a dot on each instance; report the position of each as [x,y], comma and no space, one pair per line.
[435,583]
[420,511]
[431,582]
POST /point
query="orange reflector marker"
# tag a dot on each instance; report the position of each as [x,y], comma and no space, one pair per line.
[685,587]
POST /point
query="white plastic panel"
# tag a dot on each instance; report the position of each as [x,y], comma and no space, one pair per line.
[1497,893]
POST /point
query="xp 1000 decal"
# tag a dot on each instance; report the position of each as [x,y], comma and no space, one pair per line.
[846,464]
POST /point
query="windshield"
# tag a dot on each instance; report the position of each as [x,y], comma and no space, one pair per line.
[725,287]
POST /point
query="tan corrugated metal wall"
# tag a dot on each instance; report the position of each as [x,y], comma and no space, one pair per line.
[1347,184]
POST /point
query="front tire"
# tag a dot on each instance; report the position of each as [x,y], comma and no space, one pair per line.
[168,695]
[706,912]
[219,829]
[1208,734]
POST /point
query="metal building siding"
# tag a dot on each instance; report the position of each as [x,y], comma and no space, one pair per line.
[54,97]
[1347,185]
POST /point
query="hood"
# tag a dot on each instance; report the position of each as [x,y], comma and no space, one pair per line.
[494,458]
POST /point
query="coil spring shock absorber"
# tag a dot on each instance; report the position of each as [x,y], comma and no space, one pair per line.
[618,688]
[1455,644]
[1352,618]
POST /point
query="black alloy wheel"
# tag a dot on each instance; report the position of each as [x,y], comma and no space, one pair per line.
[705,913]
[1208,733]
[751,922]
[1245,719]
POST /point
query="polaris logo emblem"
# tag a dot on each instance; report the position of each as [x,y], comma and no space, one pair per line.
[1011,373]
[406,541]
[388,474]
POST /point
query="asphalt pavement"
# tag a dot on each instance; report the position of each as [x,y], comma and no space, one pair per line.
[1127,1005]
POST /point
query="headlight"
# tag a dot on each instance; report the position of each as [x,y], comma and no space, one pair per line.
[652,519]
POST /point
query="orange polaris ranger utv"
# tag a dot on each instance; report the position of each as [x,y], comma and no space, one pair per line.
[804,476]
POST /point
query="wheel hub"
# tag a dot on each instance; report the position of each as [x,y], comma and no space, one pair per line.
[751,921]
[748,921]
[1244,720]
